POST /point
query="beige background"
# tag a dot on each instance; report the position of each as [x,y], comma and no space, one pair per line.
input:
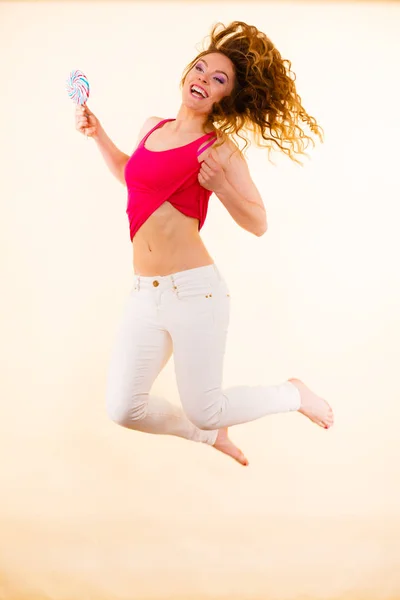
[89,510]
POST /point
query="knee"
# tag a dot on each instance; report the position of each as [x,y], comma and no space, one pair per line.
[118,413]
[126,411]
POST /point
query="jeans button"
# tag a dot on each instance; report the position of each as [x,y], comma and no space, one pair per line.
[155,283]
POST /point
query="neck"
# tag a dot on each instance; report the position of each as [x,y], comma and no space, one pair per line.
[189,121]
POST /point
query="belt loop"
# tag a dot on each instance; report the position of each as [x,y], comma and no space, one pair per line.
[173,285]
[138,280]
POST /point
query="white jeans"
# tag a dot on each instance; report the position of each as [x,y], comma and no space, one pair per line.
[187,313]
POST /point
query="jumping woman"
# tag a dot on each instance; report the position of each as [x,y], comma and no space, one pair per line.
[179,301]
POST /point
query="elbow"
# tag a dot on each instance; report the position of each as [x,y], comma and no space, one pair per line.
[261,224]
[261,229]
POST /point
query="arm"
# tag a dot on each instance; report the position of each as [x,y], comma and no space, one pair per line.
[114,158]
[226,173]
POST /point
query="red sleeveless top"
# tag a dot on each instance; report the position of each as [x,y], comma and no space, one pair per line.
[153,178]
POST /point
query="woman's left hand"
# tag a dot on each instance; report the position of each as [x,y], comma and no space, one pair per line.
[212,175]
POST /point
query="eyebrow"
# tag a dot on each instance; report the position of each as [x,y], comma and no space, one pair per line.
[217,71]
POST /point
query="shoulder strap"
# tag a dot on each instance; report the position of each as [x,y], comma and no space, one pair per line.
[159,124]
[210,143]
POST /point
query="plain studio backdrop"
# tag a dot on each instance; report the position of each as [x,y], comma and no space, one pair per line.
[91,510]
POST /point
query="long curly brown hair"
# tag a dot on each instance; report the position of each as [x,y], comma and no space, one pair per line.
[264,101]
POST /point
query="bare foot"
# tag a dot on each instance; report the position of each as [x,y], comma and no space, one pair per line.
[314,407]
[225,445]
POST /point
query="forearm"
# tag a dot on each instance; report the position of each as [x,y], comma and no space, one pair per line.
[114,158]
[251,216]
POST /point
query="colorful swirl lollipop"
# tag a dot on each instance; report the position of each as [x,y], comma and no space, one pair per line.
[78,87]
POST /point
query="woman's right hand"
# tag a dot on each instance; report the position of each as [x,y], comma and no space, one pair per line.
[85,121]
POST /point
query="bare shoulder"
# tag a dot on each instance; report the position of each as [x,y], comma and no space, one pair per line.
[147,126]
[229,155]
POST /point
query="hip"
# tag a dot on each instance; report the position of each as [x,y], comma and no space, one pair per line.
[176,299]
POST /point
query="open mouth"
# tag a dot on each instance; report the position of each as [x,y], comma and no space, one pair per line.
[198,92]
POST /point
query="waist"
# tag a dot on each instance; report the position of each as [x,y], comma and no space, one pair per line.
[164,258]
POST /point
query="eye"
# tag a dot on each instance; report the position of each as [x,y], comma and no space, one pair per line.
[198,68]
[219,79]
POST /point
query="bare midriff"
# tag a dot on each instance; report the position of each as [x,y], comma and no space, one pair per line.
[168,242]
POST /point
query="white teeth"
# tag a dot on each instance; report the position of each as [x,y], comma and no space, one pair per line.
[198,90]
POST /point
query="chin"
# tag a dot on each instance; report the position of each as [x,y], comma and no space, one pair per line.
[194,104]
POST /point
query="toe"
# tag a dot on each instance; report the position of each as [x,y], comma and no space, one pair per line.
[242,459]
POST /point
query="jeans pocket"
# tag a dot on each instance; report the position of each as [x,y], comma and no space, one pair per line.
[194,290]
[134,291]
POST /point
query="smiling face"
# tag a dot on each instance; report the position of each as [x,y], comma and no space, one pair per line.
[211,78]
